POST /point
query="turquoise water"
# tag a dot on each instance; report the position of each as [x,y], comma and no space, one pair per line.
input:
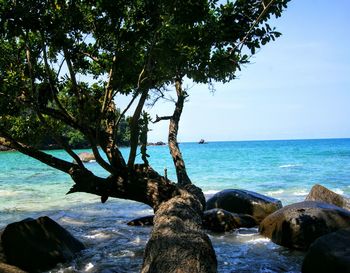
[282,169]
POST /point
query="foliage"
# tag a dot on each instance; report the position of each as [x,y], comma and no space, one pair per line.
[64,62]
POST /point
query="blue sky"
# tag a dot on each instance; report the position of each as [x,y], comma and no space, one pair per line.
[296,87]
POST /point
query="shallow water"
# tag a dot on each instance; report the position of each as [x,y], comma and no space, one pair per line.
[281,169]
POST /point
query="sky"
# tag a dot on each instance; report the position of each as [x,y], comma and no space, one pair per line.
[297,87]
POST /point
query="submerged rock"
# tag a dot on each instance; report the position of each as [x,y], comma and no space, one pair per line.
[300,224]
[245,202]
[220,220]
[329,253]
[142,221]
[38,245]
[322,194]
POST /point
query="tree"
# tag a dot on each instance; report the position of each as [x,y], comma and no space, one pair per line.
[63,64]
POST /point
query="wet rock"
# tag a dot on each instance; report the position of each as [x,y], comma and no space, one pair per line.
[142,221]
[38,245]
[322,194]
[86,157]
[245,220]
[329,253]
[300,224]
[244,202]
[220,220]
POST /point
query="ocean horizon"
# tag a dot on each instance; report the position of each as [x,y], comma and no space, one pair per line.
[282,169]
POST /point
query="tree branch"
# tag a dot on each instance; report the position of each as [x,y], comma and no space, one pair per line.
[158,119]
[54,89]
[45,158]
[255,23]
[181,173]
[60,141]
[134,128]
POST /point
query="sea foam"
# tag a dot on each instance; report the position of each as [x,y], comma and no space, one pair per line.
[291,166]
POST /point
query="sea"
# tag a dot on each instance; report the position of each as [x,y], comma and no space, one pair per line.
[285,169]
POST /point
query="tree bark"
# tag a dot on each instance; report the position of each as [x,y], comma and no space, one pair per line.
[177,243]
[181,173]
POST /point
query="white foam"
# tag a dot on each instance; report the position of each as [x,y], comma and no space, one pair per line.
[8,193]
[339,191]
[88,267]
[72,221]
[290,166]
[209,192]
[276,192]
[99,235]
[300,193]
[137,240]
[258,240]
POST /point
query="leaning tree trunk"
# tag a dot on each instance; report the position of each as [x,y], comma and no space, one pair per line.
[177,243]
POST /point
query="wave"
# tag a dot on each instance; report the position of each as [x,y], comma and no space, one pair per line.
[301,193]
[258,240]
[8,193]
[88,267]
[276,192]
[210,192]
[338,191]
[290,166]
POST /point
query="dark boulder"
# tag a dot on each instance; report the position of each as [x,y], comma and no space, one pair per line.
[244,202]
[38,245]
[322,194]
[329,253]
[142,221]
[220,220]
[245,220]
[300,224]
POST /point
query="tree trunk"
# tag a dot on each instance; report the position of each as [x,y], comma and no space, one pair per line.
[177,243]
[179,163]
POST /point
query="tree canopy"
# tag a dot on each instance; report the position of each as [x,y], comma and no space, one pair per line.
[64,63]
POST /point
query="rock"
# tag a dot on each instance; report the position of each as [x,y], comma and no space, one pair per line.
[4,148]
[142,221]
[2,255]
[322,194]
[245,220]
[329,253]
[159,143]
[244,202]
[300,224]
[6,268]
[220,220]
[86,157]
[38,245]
